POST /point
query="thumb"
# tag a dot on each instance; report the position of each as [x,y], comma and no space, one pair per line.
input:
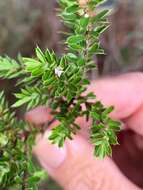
[75,167]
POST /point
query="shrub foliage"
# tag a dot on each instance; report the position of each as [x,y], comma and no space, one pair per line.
[59,82]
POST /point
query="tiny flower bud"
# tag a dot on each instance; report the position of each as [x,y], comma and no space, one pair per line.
[58,71]
[86,15]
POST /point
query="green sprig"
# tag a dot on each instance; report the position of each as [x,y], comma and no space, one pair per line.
[60,83]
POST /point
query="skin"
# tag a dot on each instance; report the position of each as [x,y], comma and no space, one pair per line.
[74,166]
[83,4]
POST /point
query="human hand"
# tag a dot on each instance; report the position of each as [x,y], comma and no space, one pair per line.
[74,166]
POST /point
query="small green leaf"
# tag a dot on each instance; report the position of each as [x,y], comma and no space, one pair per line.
[21,102]
[40,55]
[72,9]
[75,39]
[101,15]
[3,140]
[102,150]
[84,22]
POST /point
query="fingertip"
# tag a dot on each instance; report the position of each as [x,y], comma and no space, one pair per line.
[135,121]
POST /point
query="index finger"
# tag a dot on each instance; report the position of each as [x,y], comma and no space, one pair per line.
[124,92]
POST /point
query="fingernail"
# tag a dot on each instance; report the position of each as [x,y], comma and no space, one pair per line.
[48,154]
[122,126]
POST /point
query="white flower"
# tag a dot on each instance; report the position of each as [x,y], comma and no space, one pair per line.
[86,15]
[58,71]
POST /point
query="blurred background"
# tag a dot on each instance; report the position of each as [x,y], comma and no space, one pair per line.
[27,23]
